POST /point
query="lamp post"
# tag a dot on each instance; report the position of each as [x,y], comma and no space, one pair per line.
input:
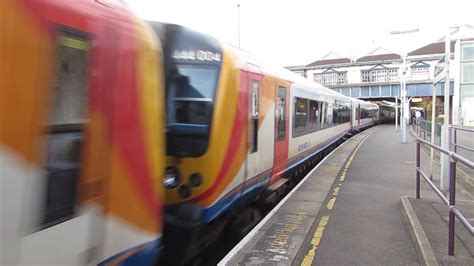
[238,24]
[403,90]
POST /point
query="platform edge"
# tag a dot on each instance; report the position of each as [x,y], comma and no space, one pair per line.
[422,245]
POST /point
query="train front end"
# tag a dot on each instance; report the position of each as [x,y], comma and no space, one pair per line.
[206,117]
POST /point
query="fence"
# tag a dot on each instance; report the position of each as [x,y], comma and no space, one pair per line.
[454,158]
[422,129]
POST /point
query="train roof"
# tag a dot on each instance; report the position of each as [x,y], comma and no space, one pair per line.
[245,60]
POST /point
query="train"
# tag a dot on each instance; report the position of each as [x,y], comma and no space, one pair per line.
[131,142]
[81,135]
[238,133]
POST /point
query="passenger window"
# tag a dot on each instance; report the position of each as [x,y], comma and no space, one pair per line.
[324,109]
[281,113]
[301,109]
[254,116]
[66,120]
[314,115]
[330,115]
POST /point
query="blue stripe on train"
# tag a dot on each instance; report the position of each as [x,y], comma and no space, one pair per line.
[227,202]
[147,255]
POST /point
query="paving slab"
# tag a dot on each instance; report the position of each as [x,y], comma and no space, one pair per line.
[433,217]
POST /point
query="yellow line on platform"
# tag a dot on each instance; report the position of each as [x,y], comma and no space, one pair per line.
[331,203]
[308,259]
[342,177]
[318,234]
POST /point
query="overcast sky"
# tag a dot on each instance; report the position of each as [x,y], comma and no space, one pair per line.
[295,32]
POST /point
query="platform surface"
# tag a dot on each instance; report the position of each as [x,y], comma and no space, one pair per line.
[347,211]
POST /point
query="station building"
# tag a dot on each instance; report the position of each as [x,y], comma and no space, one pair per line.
[377,76]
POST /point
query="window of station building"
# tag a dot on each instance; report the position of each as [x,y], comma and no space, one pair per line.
[374,91]
[355,92]
[364,92]
[467,91]
[395,90]
[66,121]
[385,90]
[346,91]
[392,74]
[420,71]
[379,75]
[365,76]
[467,52]
[330,78]
[467,72]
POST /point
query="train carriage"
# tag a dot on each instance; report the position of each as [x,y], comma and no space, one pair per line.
[364,114]
[81,134]
[238,133]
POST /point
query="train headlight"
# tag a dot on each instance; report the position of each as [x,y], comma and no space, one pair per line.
[171,179]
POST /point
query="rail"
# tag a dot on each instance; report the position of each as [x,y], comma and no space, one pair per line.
[422,128]
[453,136]
[454,158]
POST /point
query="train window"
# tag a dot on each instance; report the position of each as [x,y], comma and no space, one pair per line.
[329,115]
[254,116]
[300,118]
[281,113]
[255,98]
[68,114]
[314,115]
[324,108]
[336,117]
[192,92]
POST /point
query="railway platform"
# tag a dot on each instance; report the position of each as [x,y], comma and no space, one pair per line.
[357,207]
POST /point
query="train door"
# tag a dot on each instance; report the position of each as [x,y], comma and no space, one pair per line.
[358,114]
[253,84]
[60,232]
[281,130]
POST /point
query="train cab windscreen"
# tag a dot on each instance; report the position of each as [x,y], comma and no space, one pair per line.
[191,97]
[192,67]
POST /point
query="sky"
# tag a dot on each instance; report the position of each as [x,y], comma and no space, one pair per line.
[298,32]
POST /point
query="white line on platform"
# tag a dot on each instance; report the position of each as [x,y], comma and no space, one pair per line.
[249,236]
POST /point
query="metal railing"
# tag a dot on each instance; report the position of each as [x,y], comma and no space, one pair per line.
[422,128]
[453,138]
[454,158]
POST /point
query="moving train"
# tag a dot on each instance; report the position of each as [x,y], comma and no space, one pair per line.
[238,133]
[81,134]
[89,154]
